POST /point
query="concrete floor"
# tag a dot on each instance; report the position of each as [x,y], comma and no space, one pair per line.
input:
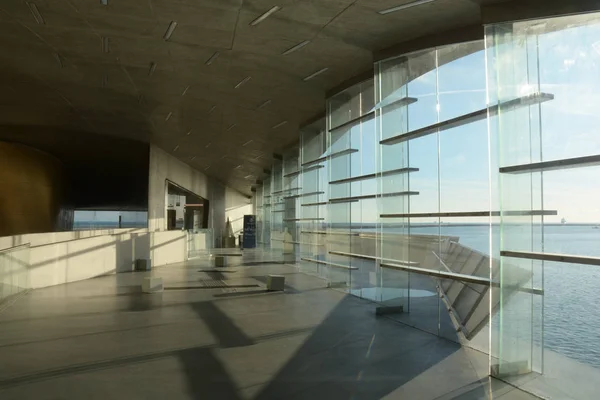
[103,339]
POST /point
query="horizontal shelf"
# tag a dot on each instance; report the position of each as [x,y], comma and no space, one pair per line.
[439,274]
[332,155]
[372,258]
[405,101]
[303,195]
[334,265]
[371,196]
[322,203]
[472,214]
[577,162]
[278,211]
[563,258]
[330,233]
[286,190]
[353,122]
[475,116]
[303,170]
[371,176]
[303,219]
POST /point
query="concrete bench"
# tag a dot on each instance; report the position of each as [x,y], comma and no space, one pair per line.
[152,285]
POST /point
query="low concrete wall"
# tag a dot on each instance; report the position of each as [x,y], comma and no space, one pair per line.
[54,263]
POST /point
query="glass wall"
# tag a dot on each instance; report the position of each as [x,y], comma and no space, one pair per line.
[544,80]
[456,190]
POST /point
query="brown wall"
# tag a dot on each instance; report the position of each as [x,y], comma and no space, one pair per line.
[30,190]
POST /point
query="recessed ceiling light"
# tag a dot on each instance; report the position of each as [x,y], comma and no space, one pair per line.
[188,134]
[176,148]
[230,127]
[185,90]
[36,13]
[212,109]
[170,30]
[212,58]
[246,79]
[152,68]
[265,16]
[249,176]
[193,158]
[239,166]
[296,47]
[405,6]
[207,168]
[105,44]
[247,143]
[208,145]
[279,125]
[169,115]
[263,105]
[319,72]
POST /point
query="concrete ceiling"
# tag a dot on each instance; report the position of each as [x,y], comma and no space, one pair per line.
[106,69]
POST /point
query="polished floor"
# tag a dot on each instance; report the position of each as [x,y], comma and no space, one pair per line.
[217,334]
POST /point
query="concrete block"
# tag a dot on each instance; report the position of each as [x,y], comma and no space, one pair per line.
[275,282]
[220,261]
[142,265]
[152,285]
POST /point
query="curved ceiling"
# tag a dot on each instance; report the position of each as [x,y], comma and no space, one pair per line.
[218,92]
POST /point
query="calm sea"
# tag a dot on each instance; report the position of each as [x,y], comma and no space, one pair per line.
[571,320]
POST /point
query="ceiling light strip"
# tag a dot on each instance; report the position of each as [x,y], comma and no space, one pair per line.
[266,15]
[212,58]
[212,109]
[263,105]
[59,59]
[230,127]
[169,115]
[185,90]
[105,44]
[279,125]
[152,68]
[314,74]
[176,148]
[36,13]
[189,132]
[246,79]
[296,47]
[405,6]
[170,30]
[247,143]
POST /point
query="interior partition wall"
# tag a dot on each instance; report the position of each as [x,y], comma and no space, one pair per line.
[548,152]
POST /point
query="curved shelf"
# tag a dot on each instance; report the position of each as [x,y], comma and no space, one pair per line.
[475,116]
[577,162]
[332,155]
[322,203]
[371,196]
[303,195]
[303,170]
[371,176]
[372,258]
[303,219]
[563,258]
[472,214]
[330,264]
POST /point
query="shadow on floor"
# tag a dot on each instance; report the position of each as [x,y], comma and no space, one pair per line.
[353,355]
